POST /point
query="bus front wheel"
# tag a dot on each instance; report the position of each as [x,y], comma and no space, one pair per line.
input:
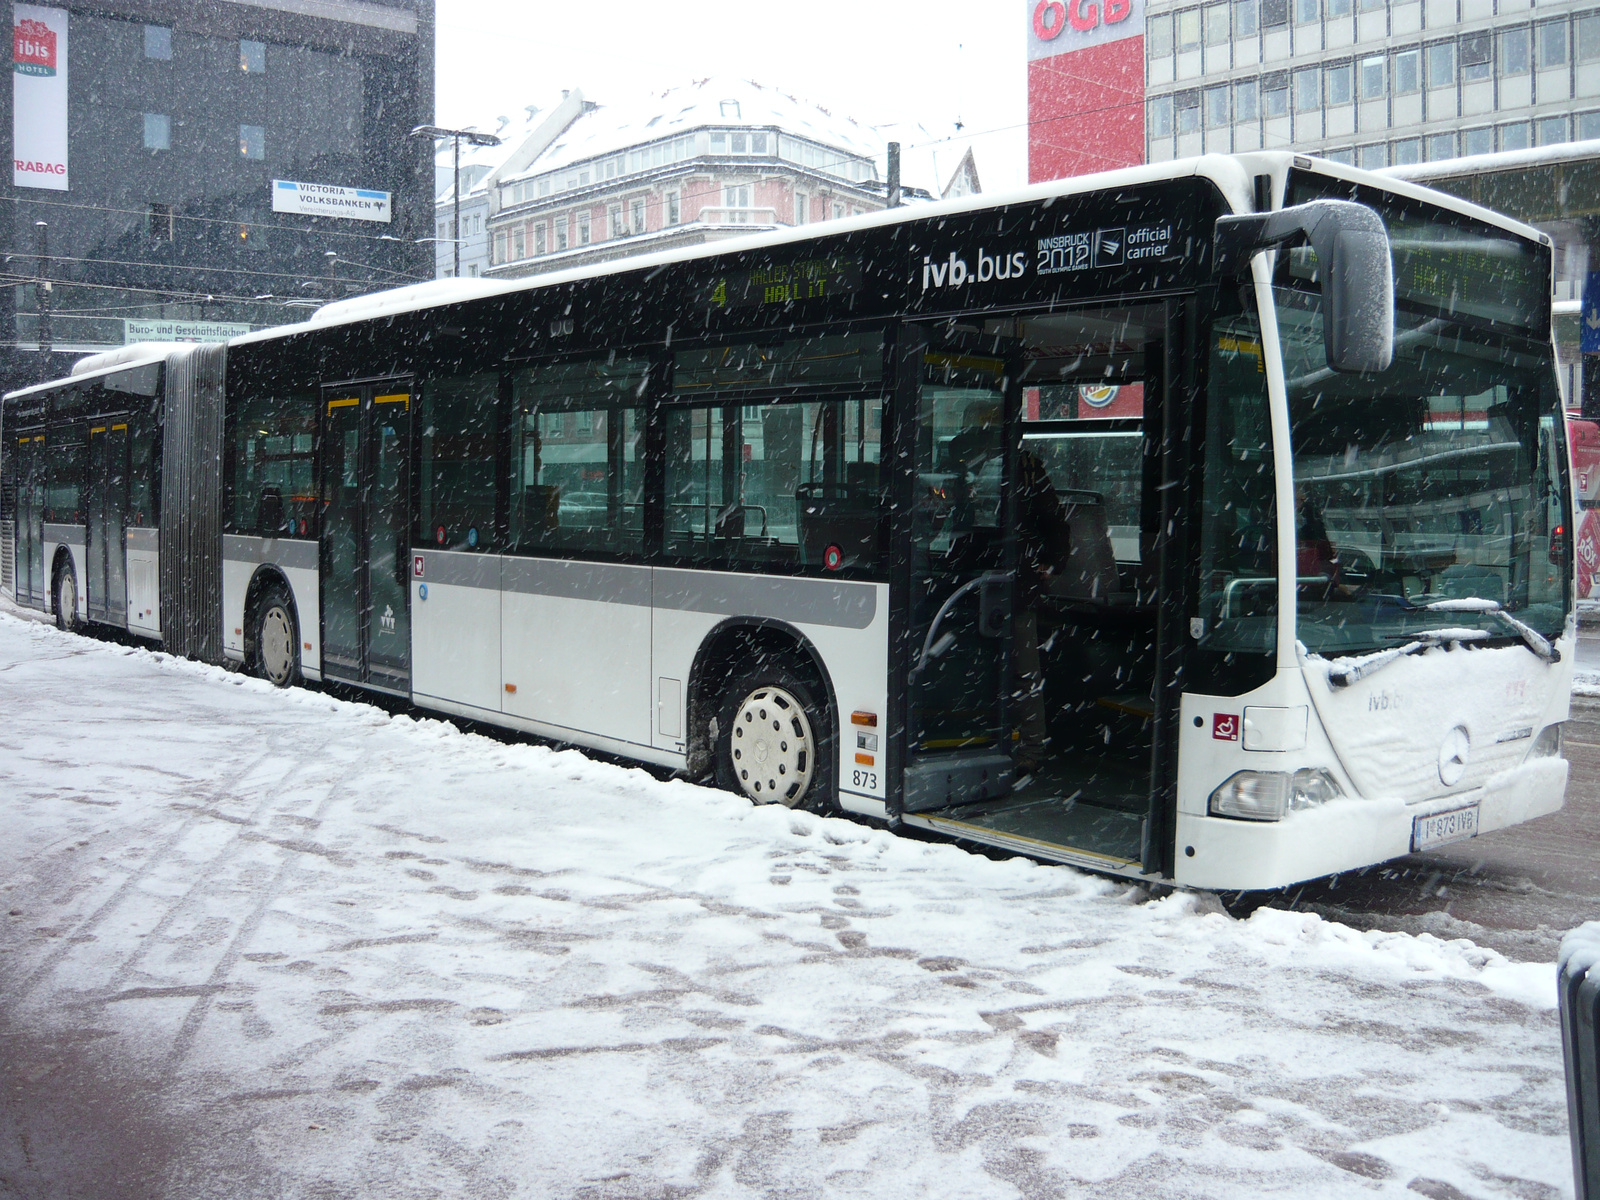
[277,639]
[774,741]
[67,598]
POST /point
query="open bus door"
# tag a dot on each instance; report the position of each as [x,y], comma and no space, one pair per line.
[1080,672]
[366,544]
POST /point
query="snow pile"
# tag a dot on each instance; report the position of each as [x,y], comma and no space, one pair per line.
[394,959]
[1580,950]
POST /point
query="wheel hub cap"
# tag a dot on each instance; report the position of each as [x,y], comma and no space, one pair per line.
[277,650]
[772,747]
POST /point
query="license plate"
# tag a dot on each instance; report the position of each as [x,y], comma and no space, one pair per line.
[1442,828]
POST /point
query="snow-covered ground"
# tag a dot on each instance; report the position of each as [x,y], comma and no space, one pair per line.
[404,961]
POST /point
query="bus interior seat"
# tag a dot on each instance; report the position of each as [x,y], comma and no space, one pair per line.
[848,515]
[269,510]
[541,507]
[1089,568]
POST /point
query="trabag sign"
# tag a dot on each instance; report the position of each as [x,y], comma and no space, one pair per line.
[39,97]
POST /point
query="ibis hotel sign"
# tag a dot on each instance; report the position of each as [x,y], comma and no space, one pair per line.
[328,200]
[39,97]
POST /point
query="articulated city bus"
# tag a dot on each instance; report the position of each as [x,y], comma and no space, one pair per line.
[1206,522]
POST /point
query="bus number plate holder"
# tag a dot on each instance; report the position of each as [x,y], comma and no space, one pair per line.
[1442,828]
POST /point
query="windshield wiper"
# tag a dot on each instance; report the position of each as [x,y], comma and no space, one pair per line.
[1530,636]
[1343,677]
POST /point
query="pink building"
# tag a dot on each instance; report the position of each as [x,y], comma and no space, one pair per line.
[715,159]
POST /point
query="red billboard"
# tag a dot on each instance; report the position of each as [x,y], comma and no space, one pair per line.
[1085,86]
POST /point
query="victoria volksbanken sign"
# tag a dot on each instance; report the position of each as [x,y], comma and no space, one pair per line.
[39,95]
[1085,86]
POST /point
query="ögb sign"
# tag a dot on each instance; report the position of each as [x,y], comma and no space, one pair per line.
[1051,17]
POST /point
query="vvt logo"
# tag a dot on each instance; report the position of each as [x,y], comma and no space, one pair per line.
[954,272]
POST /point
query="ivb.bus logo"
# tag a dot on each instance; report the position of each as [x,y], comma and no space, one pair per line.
[33,48]
[954,271]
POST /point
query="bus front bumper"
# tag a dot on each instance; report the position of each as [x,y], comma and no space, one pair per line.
[1345,835]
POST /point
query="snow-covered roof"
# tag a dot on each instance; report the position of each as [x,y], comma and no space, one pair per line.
[478,161]
[1505,160]
[720,101]
[1233,174]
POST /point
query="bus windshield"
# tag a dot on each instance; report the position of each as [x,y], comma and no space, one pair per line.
[1439,479]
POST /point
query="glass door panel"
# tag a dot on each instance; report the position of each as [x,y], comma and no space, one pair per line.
[343,602]
[366,551]
[30,519]
[388,546]
[107,504]
[957,744]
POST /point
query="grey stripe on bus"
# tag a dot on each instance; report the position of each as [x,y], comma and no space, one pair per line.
[144,537]
[611,583]
[460,570]
[72,535]
[798,601]
[285,552]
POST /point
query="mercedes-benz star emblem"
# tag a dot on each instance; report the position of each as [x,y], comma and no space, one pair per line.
[1454,755]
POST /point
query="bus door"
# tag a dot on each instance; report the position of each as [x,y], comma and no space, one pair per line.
[960,387]
[1053,681]
[366,548]
[32,585]
[106,505]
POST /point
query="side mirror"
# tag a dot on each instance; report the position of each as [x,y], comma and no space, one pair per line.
[1353,262]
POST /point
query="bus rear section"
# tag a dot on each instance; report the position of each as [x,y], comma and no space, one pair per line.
[82,483]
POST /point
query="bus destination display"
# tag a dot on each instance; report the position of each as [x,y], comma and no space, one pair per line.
[783,283]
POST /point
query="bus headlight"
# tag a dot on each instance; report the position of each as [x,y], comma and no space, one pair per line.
[1547,744]
[1269,795]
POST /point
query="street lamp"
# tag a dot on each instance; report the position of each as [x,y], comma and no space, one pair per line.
[474,138]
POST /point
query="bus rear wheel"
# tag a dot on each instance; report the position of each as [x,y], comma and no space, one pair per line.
[277,640]
[67,598]
[774,741]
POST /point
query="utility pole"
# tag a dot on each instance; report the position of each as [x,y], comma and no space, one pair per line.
[894,174]
[42,288]
[474,138]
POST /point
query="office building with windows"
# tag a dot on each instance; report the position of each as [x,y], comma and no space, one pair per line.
[719,158]
[190,171]
[1370,82]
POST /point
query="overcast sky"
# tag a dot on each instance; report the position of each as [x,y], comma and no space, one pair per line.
[935,62]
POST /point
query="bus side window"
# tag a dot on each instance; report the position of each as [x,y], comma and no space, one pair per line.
[141,474]
[784,482]
[577,475]
[65,454]
[457,426]
[274,489]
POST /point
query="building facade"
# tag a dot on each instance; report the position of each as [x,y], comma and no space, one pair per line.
[716,159]
[1371,82]
[186,171]
[1556,189]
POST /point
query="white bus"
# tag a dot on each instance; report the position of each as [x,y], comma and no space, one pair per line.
[1206,522]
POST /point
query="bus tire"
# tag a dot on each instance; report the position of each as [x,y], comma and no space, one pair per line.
[277,638]
[775,741]
[66,597]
